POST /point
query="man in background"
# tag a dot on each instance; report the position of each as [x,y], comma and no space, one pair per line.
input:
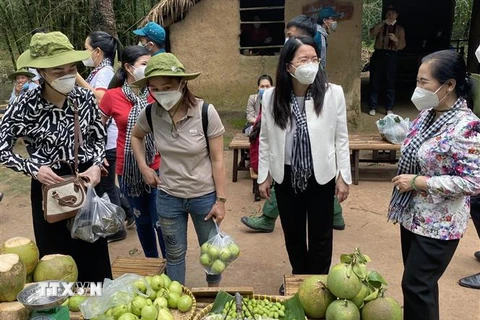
[152,37]
[327,23]
[389,38]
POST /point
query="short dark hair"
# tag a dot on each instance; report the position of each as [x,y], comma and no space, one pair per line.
[39,30]
[265,77]
[448,64]
[106,42]
[283,85]
[305,23]
[129,55]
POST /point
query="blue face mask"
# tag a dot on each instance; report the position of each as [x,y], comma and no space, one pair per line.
[261,91]
[25,86]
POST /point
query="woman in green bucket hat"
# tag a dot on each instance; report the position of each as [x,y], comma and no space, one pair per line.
[192,173]
[44,117]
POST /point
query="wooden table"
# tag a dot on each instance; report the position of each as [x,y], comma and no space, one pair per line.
[371,142]
[239,143]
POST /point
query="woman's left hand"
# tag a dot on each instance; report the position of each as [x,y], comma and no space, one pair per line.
[403,182]
[92,175]
[341,190]
[218,212]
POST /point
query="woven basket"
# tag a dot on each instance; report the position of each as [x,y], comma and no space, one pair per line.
[205,311]
[187,315]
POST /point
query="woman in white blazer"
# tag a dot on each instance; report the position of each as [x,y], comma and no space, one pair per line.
[304,150]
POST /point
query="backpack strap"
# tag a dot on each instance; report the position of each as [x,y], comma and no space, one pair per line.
[205,123]
[148,112]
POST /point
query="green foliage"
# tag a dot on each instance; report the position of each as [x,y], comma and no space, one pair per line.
[461,24]
[372,14]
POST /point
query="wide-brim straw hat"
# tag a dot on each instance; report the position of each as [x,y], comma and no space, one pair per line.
[20,72]
[48,50]
[165,65]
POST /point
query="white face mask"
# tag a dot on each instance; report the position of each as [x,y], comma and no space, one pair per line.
[477,53]
[89,62]
[334,26]
[139,72]
[286,39]
[306,74]
[64,84]
[167,99]
[425,99]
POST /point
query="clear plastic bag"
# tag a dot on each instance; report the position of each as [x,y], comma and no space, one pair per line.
[218,252]
[393,128]
[97,218]
[114,292]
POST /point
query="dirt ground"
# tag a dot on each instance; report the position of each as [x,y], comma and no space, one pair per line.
[264,261]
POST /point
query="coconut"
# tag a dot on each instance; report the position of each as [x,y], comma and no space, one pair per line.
[25,248]
[382,308]
[314,296]
[12,276]
[343,310]
[343,282]
[56,267]
[13,311]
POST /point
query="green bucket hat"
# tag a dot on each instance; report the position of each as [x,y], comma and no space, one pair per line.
[20,72]
[165,65]
[48,50]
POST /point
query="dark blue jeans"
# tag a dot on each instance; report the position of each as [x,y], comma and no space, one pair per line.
[173,213]
[146,218]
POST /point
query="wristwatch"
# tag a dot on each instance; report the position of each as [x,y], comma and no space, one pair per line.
[219,199]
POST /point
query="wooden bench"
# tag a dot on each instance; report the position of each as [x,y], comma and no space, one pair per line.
[239,143]
[255,190]
[370,142]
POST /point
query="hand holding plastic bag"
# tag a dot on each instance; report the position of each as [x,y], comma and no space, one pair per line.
[393,128]
[218,252]
[81,227]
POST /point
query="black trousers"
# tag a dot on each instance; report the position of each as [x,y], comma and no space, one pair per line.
[107,183]
[310,210]
[425,260]
[383,70]
[92,259]
[475,212]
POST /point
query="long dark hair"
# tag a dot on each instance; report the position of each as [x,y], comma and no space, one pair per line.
[129,55]
[448,64]
[107,43]
[283,86]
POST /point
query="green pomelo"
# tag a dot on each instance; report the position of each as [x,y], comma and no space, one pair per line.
[358,299]
[74,302]
[342,310]
[314,296]
[343,282]
[56,267]
[12,276]
[382,308]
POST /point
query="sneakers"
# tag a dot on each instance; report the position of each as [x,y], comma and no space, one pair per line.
[371,112]
[389,112]
[130,223]
[262,223]
[120,235]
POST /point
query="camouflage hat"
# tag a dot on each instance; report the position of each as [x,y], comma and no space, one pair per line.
[20,72]
[165,65]
[48,50]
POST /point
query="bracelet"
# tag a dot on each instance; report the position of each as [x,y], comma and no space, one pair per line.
[413,184]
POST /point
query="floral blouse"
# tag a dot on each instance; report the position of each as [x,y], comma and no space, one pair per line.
[48,131]
[451,158]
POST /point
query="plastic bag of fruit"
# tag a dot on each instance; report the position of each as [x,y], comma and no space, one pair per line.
[218,252]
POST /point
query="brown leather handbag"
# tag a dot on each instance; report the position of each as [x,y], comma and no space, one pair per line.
[63,200]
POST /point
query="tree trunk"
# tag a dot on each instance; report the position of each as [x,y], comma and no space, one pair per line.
[102,17]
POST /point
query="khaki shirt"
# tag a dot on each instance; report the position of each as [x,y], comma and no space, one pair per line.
[185,167]
[382,39]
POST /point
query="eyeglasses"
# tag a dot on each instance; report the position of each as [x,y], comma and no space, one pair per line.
[306,60]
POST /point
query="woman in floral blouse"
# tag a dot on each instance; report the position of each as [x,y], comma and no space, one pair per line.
[438,172]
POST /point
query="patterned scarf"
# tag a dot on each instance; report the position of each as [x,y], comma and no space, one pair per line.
[104,63]
[132,181]
[302,164]
[408,163]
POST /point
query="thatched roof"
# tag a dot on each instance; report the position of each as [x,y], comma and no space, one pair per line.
[167,12]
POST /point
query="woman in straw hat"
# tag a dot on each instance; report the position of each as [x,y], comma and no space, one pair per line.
[45,118]
[22,82]
[192,174]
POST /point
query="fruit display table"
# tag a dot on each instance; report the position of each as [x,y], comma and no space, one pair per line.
[140,266]
[291,282]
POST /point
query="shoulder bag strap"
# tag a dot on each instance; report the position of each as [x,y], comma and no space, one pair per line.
[205,123]
[77,138]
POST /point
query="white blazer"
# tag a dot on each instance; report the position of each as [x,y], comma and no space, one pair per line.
[328,139]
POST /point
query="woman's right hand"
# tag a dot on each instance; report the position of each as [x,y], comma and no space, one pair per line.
[150,177]
[46,176]
[264,187]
